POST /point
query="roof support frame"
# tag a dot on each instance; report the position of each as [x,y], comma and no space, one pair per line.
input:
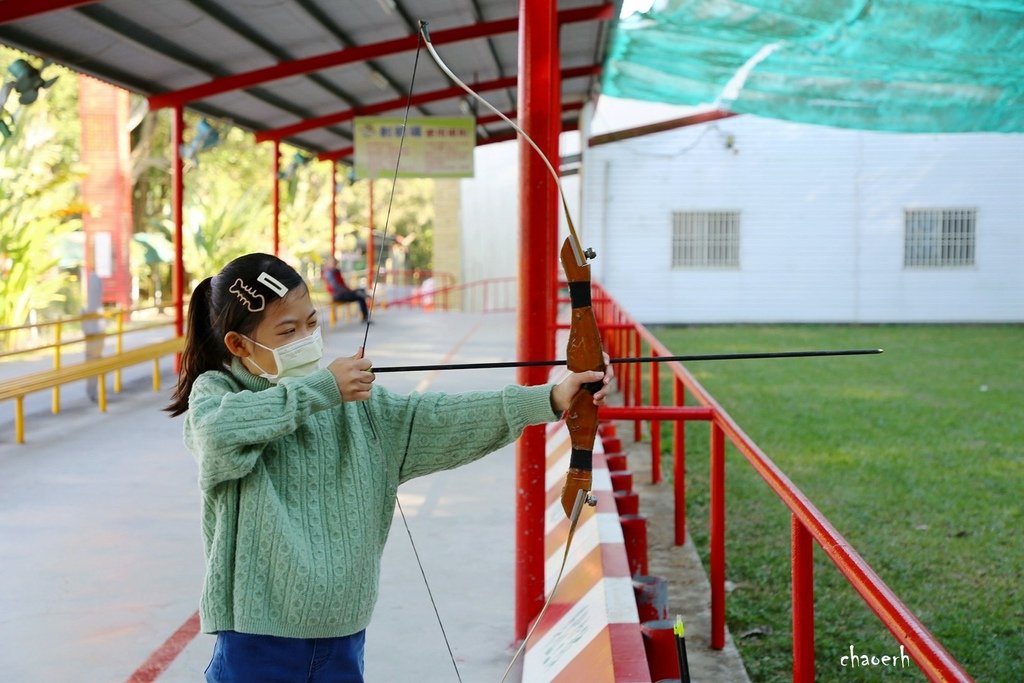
[16,10]
[217,12]
[344,38]
[360,53]
[397,103]
[490,47]
[129,31]
[59,53]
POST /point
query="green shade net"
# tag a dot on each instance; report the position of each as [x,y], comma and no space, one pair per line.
[922,66]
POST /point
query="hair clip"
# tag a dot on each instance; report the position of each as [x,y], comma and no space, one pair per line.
[248,296]
[272,283]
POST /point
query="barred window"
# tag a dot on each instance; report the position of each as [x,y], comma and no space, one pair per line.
[937,238]
[706,239]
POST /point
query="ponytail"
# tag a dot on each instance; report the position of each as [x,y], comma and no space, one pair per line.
[202,352]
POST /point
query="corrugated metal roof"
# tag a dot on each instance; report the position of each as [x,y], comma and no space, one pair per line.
[159,47]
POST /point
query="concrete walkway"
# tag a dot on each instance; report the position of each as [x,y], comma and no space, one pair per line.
[101,558]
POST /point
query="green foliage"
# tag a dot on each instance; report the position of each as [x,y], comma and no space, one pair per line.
[412,217]
[915,456]
[38,196]
[227,203]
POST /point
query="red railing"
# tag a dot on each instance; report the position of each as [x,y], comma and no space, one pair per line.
[625,337]
[493,295]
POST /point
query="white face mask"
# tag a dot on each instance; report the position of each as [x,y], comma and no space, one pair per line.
[295,359]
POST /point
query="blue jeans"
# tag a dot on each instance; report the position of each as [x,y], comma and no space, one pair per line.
[249,658]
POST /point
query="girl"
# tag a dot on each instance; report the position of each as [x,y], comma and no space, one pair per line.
[299,482]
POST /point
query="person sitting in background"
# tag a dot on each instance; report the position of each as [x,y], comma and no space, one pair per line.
[340,291]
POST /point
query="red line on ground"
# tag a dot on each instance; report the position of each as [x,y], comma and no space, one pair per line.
[166,653]
[428,380]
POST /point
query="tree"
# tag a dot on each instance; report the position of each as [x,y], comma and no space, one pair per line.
[39,201]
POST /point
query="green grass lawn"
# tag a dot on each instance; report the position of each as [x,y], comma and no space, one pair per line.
[915,456]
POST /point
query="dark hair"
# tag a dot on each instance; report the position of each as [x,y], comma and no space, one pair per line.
[233,300]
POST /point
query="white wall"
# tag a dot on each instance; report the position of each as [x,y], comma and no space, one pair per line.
[821,236]
[490,212]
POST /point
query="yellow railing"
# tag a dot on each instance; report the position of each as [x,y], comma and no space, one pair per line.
[60,342]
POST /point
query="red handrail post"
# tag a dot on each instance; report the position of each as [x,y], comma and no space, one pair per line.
[276,201]
[627,368]
[803,602]
[178,213]
[679,463]
[655,425]
[717,540]
[638,381]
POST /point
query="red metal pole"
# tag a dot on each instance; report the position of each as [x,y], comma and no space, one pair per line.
[717,540]
[627,368]
[178,210]
[371,257]
[554,133]
[655,425]
[679,463]
[334,208]
[638,381]
[803,603]
[277,198]
[537,20]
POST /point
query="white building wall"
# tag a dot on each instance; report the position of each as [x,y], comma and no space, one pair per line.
[821,236]
[490,213]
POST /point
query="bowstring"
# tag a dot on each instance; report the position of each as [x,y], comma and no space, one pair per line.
[366,335]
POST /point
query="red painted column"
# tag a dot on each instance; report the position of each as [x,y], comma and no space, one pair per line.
[554,120]
[803,602]
[717,539]
[679,464]
[177,212]
[537,21]
[277,197]
[655,425]
[370,255]
[334,208]
[107,187]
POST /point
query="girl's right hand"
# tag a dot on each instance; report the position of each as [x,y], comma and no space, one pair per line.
[353,376]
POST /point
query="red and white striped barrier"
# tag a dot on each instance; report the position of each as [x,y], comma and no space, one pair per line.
[591,631]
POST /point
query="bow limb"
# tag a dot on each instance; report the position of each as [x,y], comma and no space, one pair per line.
[584,351]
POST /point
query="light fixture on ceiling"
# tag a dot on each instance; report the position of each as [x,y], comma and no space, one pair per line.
[28,80]
[388,6]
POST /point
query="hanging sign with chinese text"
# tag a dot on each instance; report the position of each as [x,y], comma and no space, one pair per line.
[434,146]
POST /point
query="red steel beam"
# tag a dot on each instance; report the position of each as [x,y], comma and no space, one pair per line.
[361,53]
[511,135]
[401,102]
[336,155]
[651,128]
[16,10]
[494,118]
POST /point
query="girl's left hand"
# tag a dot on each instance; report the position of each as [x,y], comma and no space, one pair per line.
[564,392]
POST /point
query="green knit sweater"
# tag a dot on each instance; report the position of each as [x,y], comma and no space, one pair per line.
[299,488]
